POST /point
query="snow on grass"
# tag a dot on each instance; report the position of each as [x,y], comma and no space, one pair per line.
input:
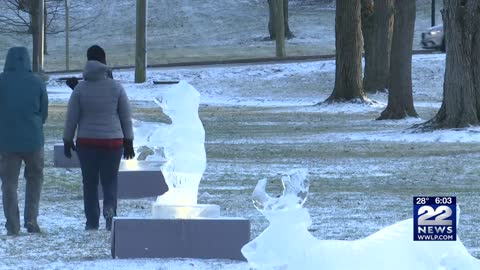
[334,108]
[391,130]
[144,264]
[260,122]
[466,135]
[270,85]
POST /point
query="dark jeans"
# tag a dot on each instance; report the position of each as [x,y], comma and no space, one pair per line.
[10,164]
[99,164]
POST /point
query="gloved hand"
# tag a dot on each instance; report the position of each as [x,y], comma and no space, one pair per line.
[72,82]
[68,146]
[128,152]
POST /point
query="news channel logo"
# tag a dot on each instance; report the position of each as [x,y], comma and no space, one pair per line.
[434,218]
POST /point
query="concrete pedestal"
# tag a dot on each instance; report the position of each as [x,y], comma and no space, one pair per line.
[219,238]
[60,161]
[141,180]
[136,179]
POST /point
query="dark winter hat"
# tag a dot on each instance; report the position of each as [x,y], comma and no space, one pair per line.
[96,53]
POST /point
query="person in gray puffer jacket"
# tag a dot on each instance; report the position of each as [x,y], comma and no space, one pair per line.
[95,52]
[99,112]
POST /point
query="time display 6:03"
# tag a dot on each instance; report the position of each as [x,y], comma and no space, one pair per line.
[443,200]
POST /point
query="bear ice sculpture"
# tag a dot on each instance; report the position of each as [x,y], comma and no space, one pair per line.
[179,145]
[287,244]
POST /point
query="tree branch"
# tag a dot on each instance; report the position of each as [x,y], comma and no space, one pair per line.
[16,16]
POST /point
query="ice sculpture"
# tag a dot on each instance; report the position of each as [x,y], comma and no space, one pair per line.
[287,243]
[180,145]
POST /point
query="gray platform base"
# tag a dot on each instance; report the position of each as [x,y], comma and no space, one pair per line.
[220,238]
[139,184]
[143,180]
[60,161]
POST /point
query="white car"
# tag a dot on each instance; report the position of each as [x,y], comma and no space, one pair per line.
[434,38]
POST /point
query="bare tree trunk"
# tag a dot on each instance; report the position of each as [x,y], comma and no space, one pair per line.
[367,30]
[67,34]
[31,7]
[377,34]
[400,94]
[348,43]
[288,33]
[279,29]
[45,51]
[35,38]
[271,20]
[41,33]
[461,87]
[141,42]
[35,49]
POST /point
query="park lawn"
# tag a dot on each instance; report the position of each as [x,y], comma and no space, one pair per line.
[357,186]
[260,123]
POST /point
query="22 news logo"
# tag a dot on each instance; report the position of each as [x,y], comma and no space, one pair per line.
[434,219]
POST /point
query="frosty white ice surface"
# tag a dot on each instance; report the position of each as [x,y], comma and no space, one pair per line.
[295,191]
[180,144]
[287,243]
[184,148]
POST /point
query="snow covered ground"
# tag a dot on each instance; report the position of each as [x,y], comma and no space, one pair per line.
[260,122]
[294,85]
[186,30]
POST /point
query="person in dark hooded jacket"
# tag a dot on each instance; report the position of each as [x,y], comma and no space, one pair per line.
[99,112]
[23,112]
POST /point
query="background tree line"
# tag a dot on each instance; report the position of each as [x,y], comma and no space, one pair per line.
[20,17]
[384,29]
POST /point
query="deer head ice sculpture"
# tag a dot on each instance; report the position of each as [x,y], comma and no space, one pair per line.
[287,243]
[289,223]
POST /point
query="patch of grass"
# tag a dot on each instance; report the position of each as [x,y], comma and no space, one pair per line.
[357,186]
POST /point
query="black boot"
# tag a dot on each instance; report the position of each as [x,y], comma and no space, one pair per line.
[91,228]
[108,224]
[32,227]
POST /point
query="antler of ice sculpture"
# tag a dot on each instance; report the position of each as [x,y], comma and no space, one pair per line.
[287,243]
[295,190]
[287,236]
